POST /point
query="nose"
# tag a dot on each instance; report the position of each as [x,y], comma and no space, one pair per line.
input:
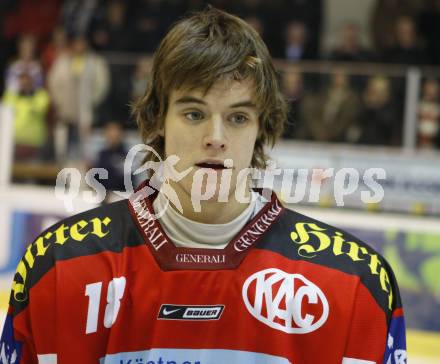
[215,137]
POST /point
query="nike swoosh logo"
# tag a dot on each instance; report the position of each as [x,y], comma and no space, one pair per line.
[166,312]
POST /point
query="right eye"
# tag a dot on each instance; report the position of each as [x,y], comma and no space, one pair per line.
[194,115]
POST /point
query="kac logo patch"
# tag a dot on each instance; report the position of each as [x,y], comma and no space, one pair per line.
[285,302]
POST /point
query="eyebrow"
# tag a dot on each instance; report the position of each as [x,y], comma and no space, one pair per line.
[192,99]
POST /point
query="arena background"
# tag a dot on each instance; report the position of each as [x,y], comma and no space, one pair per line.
[362,78]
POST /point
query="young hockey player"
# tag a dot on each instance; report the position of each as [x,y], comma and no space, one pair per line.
[209,270]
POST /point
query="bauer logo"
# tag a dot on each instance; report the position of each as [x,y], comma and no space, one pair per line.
[285,302]
[180,312]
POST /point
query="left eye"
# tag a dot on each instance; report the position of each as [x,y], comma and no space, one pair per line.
[239,119]
[194,115]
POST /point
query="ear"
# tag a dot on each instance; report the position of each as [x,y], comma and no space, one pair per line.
[161,132]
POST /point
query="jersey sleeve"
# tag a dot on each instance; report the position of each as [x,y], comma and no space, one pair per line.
[376,336]
[31,306]
[16,345]
[395,350]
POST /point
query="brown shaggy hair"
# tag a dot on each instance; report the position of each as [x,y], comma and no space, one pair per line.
[199,50]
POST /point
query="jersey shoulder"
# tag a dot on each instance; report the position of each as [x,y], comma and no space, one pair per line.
[300,237]
[105,228]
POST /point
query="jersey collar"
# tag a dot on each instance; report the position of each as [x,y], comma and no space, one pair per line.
[170,257]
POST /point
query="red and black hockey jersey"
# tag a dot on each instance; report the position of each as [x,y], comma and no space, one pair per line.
[108,286]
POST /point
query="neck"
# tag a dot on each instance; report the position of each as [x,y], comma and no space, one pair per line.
[211,211]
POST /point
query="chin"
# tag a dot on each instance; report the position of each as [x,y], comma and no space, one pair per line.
[206,191]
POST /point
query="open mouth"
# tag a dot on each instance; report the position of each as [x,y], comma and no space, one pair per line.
[212,165]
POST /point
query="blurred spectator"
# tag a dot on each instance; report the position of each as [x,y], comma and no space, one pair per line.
[57,46]
[349,48]
[429,115]
[332,114]
[407,49]
[378,120]
[113,33]
[293,87]
[30,104]
[25,63]
[309,12]
[78,15]
[296,47]
[112,157]
[140,78]
[78,82]
[384,16]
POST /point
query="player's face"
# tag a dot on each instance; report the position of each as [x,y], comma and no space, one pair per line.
[204,130]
